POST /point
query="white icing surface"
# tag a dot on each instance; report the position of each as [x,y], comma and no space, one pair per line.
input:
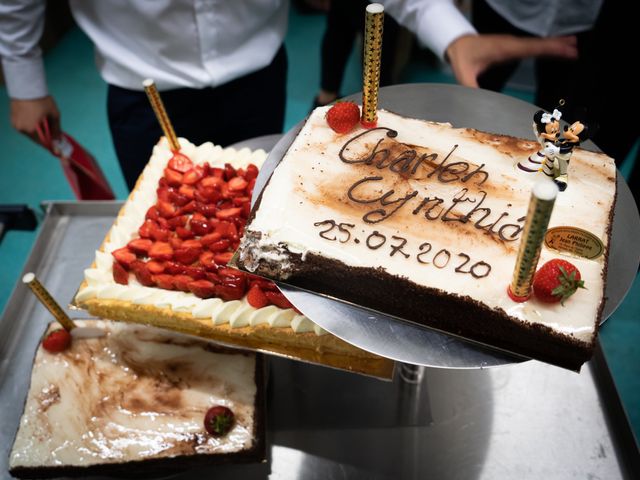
[100,283]
[137,393]
[310,185]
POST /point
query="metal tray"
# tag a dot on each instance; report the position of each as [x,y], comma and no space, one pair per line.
[411,343]
[526,421]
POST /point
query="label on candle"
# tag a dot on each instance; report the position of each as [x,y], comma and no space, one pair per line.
[575,241]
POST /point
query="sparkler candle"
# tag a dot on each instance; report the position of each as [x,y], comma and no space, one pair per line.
[374,20]
[47,300]
[543,197]
[161,114]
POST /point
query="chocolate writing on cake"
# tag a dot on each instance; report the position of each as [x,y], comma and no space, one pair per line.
[408,163]
[396,245]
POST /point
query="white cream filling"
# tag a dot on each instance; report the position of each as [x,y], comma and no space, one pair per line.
[138,393]
[100,283]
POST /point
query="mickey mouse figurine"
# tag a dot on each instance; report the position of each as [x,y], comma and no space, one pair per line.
[546,128]
[571,137]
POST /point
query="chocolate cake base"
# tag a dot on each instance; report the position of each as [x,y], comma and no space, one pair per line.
[430,307]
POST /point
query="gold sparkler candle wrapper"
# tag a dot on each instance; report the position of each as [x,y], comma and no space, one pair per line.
[161,113]
[47,300]
[543,198]
[374,21]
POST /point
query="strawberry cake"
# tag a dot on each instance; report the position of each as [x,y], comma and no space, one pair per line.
[164,260]
[423,221]
[138,400]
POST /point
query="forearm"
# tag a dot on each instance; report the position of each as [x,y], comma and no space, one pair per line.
[21,25]
[436,23]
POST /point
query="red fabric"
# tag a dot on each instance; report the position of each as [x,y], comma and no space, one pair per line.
[82,171]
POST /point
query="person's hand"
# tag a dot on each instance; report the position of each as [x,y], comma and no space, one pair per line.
[470,55]
[26,115]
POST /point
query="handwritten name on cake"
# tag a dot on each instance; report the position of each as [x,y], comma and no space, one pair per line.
[424,254]
[411,165]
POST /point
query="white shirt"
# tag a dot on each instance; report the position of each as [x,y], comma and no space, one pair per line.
[184,43]
[546,18]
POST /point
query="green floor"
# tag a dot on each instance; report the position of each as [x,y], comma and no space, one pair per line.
[30,175]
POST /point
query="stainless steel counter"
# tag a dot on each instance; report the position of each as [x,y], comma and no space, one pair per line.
[525,421]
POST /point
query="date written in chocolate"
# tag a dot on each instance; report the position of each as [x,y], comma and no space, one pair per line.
[425,254]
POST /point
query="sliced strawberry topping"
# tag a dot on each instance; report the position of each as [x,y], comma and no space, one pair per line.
[223,258]
[120,275]
[200,227]
[165,281]
[192,231]
[212,182]
[156,232]
[206,209]
[194,272]
[210,237]
[229,172]
[167,209]
[178,221]
[256,297]
[228,213]
[145,229]
[173,178]
[184,233]
[233,273]
[192,176]
[152,213]
[202,288]
[278,299]
[265,285]
[142,273]
[207,261]
[252,172]
[240,201]
[187,256]
[140,246]
[238,183]
[161,251]
[228,292]
[180,163]
[252,184]
[188,208]
[155,267]
[246,210]
[227,230]
[163,223]
[174,268]
[219,246]
[181,282]
[187,190]
[124,256]
[178,199]
[175,242]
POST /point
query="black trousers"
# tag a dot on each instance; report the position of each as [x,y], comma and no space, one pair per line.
[345,20]
[248,107]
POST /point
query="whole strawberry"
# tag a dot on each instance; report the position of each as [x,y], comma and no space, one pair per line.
[219,420]
[343,116]
[57,341]
[556,281]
